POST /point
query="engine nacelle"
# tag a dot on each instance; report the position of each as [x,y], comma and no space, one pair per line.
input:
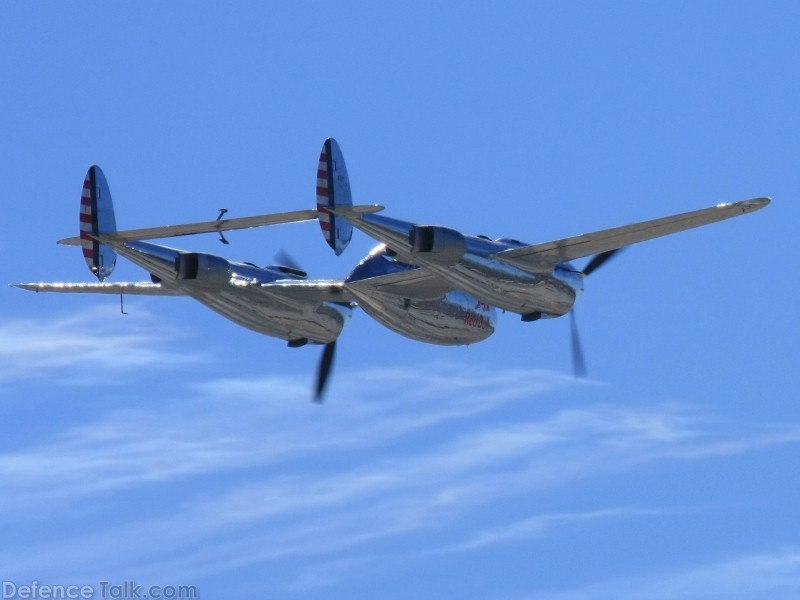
[202,267]
[441,244]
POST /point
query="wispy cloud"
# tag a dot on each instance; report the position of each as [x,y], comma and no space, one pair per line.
[539,525]
[227,424]
[268,480]
[774,576]
[89,344]
[329,571]
[390,495]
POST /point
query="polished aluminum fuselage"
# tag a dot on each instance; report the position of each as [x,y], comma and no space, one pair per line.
[441,313]
[462,311]
[493,282]
[445,317]
[232,291]
[456,319]
[512,289]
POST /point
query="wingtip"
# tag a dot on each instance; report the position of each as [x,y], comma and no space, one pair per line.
[31,287]
[755,204]
[747,205]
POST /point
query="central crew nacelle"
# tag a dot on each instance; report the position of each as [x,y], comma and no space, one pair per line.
[451,318]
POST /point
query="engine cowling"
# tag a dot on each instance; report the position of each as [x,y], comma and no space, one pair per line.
[202,267]
[441,244]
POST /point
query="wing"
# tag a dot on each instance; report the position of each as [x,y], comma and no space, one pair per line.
[419,283]
[416,283]
[543,257]
[165,231]
[142,288]
[307,292]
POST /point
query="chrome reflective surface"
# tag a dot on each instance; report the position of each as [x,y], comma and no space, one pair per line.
[454,318]
[427,282]
[489,280]
[231,289]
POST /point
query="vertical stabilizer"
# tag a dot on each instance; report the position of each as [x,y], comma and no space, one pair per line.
[97,217]
[333,190]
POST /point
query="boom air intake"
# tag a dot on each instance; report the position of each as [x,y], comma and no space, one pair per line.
[97,217]
[333,190]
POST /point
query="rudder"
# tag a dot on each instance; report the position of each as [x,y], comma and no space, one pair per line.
[97,217]
[333,190]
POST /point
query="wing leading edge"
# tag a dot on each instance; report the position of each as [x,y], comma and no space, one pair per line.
[142,288]
[305,291]
[539,258]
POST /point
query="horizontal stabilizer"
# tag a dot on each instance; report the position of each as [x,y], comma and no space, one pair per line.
[167,231]
[539,258]
[355,211]
[143,288]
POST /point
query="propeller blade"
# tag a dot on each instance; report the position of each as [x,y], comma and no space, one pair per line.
[324,370]
[287,260]
[578,363]
[598,260]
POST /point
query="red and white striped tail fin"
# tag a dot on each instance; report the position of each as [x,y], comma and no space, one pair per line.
[88,222]
[97,217]
[333,190]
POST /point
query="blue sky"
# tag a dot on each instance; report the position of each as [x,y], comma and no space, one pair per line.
[170,447]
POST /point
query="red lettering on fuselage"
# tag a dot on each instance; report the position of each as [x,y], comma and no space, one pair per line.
[477,321]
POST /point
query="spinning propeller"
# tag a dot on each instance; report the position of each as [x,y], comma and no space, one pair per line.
[284,259]
[324,370]
[578,362]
